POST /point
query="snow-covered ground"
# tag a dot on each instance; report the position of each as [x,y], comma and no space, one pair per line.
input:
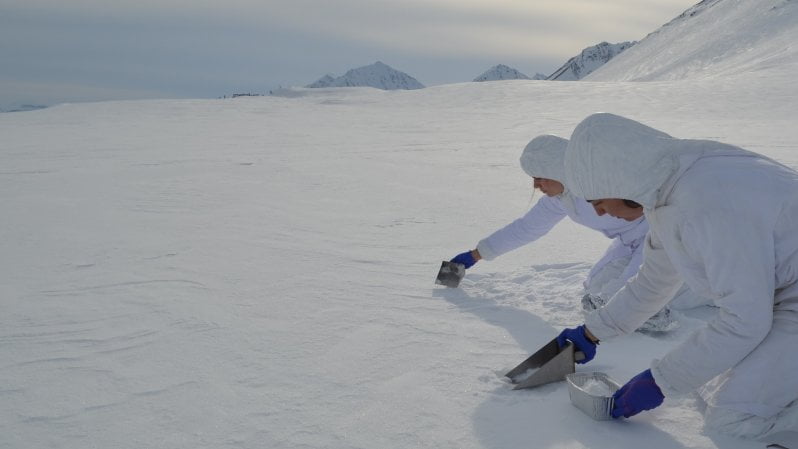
[258,272]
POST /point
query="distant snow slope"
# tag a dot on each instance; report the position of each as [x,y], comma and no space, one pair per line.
[590,59]
[377,75]
[713,38]
[502,72]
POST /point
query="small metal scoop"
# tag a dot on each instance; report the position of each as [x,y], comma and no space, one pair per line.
[548,364]
[450,274]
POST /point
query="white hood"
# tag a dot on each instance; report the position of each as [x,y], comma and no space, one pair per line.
[544,157]
[614,157]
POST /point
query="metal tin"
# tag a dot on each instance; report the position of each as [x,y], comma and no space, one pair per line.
[598,407]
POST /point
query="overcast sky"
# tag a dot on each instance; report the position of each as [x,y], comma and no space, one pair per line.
[83,50]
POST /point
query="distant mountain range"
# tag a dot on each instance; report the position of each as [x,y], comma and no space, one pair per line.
[590,59]
[377,75]
[503,72]
[383,76]
[24,108]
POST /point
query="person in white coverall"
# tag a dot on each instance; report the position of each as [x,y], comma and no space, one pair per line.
[544,160]
[724,221]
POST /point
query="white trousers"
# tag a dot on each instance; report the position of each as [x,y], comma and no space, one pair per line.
[618,264]
[759,396]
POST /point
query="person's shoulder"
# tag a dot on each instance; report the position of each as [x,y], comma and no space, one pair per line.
[549,204]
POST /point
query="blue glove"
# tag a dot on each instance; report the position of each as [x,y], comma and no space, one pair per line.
[580,340]
[640,393]
[465,258]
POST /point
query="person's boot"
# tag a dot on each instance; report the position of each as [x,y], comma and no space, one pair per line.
[592,302]
[662,321]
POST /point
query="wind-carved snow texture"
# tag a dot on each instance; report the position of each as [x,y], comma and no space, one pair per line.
[551,292]
[211,273]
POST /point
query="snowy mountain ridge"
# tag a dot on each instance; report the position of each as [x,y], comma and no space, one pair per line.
[502,72]
[590,59]
[713,38]
[377,75]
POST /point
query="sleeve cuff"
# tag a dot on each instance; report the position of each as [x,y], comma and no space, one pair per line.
[598,328]
[485,251]
[667,389]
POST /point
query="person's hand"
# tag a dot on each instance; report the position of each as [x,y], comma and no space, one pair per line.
[466,258]
[640,393]
[578,337]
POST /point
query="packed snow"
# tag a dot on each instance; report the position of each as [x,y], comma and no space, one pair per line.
[596,387]
[259,271]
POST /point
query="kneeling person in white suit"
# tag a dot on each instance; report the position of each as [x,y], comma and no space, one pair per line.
[544,160]
[724,221]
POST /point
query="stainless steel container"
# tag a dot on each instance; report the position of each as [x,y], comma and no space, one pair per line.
[597,406]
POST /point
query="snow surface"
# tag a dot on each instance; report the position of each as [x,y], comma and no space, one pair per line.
[596,388]
[258,272]
[713,38]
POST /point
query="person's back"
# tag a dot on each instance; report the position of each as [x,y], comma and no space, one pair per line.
[723,220]
[763,207]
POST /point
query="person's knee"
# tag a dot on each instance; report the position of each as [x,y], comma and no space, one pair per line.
[735,423]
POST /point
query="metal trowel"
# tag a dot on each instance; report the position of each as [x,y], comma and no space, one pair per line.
[548,364]
[450,274]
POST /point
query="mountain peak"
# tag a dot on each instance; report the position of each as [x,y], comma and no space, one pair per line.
[590,59]
[501,72]
[324,81]
[378,75]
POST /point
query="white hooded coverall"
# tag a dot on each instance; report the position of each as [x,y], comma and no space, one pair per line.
[724,221]
[544,157]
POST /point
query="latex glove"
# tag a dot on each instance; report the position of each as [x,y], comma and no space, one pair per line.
[577,336]
[640,393]
[466,258]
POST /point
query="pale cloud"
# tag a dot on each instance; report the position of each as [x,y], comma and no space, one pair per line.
[208,48]
[473,27]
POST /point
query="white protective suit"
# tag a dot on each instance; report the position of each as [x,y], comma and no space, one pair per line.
[724,221]
[544,157]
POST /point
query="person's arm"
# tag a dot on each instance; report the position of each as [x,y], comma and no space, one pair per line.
[613,285]
[656,283]
[533,225]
